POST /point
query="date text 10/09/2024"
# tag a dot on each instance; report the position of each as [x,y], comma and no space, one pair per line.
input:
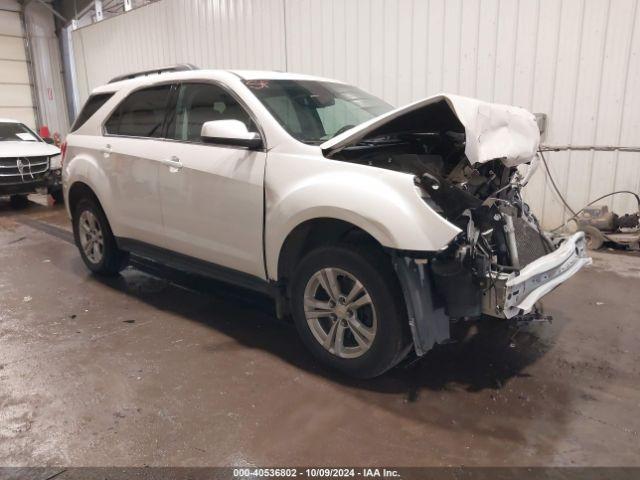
[315,472]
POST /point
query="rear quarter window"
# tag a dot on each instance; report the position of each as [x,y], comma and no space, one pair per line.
[141,114]
[92,105]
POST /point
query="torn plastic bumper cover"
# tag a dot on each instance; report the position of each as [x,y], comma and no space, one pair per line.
[428,321]
[510,295]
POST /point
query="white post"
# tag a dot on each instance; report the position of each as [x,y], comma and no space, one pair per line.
[98,7]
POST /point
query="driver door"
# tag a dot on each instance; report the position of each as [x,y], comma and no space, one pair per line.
[211,194]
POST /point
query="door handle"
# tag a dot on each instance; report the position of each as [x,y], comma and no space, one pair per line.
[173,163]
[106,151]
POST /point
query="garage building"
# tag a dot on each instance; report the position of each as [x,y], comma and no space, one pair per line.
[113,357]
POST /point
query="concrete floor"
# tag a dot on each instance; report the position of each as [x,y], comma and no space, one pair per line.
[140,371]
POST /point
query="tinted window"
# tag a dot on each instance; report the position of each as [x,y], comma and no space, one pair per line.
[200,103]
[141,114]
[93,104]
[314,111]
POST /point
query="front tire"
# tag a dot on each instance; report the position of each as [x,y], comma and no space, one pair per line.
[348,309]
[58,197]
[95,241]
[19,201]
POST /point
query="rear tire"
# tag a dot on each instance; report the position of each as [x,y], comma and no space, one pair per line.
[362,335]
[95,241]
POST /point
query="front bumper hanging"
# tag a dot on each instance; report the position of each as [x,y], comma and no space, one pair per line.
[509,295]
[513,294]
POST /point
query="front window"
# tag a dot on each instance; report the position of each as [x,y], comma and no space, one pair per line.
[16,132]
[199,103]
[314,111]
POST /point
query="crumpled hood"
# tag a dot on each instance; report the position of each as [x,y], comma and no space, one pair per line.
[27,149]
[492,130]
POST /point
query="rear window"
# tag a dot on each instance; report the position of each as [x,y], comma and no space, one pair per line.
[141,114]
[93,104]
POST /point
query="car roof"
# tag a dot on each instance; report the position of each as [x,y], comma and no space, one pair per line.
[9,120]
[277,75]
[201,74]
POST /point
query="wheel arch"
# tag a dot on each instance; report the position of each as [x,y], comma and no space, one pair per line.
[316,232]
[79,190]
[83,173]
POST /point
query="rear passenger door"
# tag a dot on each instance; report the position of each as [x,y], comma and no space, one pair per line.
[132,152]
[212,196]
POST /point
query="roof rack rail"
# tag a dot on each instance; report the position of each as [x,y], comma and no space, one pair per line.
[181,67]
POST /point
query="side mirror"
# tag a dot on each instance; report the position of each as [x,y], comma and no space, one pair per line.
[49,140]
[230,132]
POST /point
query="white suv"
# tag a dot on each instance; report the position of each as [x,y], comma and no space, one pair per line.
[371,226]
[28,163]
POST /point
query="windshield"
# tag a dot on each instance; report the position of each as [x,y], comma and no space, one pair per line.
[313,111]
[16,132]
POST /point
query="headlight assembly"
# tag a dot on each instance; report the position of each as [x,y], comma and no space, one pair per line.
[55,162]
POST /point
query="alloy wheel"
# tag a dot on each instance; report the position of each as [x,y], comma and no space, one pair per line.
[91,237]
[340,312]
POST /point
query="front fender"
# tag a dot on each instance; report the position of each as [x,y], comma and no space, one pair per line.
[383,203]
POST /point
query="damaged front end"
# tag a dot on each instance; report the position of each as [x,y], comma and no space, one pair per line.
[503,262]
[465,157]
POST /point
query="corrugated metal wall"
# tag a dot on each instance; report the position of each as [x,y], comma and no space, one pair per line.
[207,33]
[576,60]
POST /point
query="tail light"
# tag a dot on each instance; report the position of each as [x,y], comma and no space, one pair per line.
[63,151]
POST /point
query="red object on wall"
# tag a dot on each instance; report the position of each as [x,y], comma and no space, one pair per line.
[44,132]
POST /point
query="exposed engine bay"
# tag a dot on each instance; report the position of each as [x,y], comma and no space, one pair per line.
[500,235]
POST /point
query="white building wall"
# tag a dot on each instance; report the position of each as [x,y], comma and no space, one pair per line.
[213,34]
[47,68]
[31,76]
[576,60]
[16,96]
